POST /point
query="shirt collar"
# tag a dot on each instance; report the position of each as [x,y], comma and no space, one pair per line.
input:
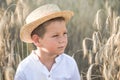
[35,53]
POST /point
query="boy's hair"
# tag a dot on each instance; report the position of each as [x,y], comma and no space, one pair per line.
[40,30]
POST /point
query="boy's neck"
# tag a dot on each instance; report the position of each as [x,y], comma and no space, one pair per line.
[46,59]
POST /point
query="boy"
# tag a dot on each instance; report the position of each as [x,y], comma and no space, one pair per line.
[46,28]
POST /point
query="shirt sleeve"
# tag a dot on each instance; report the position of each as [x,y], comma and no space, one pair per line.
[19,75]
[76,74]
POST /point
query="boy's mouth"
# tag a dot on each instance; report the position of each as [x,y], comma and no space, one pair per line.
[61,47]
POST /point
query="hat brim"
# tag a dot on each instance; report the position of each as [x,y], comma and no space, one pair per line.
[26,30]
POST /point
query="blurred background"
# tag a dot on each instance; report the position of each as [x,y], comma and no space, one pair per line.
[94,36]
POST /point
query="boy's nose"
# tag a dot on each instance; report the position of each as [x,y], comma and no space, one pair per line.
[62,39]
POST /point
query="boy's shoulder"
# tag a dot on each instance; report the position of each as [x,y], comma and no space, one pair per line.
[68,58]
[67,61]
[26,62]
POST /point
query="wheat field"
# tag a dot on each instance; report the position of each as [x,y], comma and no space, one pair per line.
[94,36]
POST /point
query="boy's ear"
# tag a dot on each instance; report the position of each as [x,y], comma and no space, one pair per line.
[35,39]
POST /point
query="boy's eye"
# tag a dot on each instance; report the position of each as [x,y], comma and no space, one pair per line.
[65,33]
[55,36]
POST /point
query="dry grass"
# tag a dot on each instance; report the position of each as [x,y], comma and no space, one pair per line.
[94,36]
[106,47]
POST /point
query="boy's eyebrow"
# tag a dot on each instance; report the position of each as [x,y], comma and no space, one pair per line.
[58,32]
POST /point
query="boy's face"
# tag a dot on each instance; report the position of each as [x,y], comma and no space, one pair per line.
[54,41]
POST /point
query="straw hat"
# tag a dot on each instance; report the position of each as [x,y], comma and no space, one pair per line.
[39,16]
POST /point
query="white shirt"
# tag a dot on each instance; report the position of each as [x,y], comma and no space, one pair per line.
[31,68]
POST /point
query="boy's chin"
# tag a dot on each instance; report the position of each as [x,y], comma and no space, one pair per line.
[61,52]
